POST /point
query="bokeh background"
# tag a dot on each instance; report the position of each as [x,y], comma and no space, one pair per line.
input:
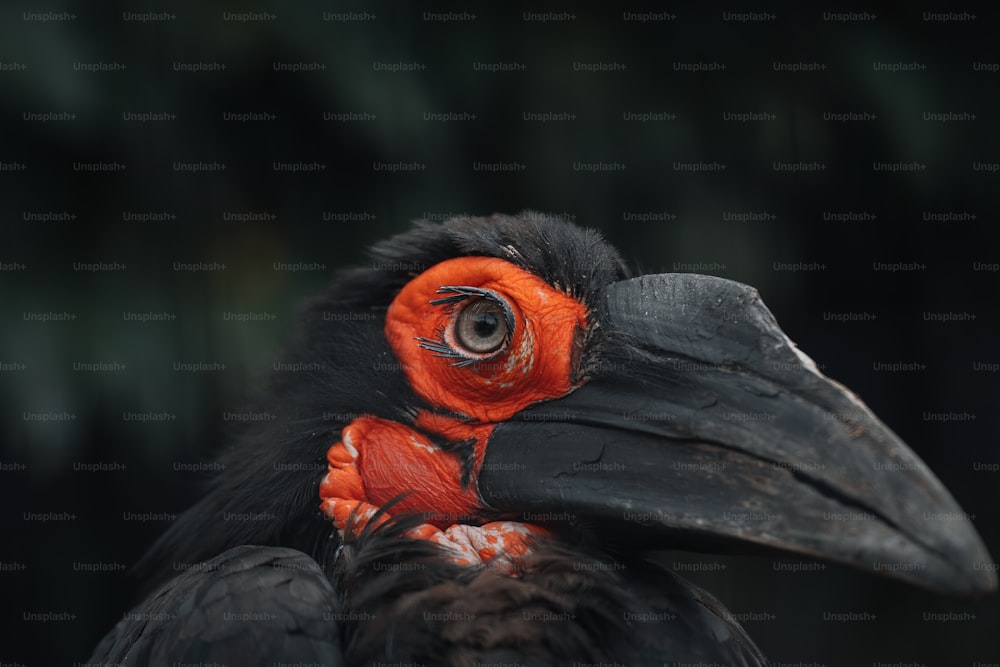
[871,236]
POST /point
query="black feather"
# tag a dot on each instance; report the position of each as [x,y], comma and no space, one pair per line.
[247,606]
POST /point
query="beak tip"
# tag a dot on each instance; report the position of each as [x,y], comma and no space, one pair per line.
[976,584]
[967,567]
[983,579]
[962,568]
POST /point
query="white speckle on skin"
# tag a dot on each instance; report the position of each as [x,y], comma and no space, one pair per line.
[524,357]
[345,438]
[414,442]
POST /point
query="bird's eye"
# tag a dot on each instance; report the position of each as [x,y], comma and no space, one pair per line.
[481,327]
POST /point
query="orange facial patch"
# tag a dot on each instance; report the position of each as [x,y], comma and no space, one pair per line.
[378,461]
[480,340]
[535,363]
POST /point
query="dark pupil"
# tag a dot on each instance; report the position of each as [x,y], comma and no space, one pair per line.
[480,327]
[485,324]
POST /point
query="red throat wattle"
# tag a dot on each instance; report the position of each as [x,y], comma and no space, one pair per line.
[479,339]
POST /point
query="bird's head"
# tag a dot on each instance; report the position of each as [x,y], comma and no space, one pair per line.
[506,379]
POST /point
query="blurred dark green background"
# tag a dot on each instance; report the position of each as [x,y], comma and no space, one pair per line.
[811,240]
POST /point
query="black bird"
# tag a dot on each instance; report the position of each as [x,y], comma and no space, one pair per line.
[473,443]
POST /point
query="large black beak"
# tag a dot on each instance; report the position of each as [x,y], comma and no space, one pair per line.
[704,428]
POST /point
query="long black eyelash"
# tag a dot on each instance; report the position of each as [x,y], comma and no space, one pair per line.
[439,346]
[441,349]
[458,294]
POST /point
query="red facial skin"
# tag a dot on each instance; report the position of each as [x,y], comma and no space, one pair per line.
[378,460]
